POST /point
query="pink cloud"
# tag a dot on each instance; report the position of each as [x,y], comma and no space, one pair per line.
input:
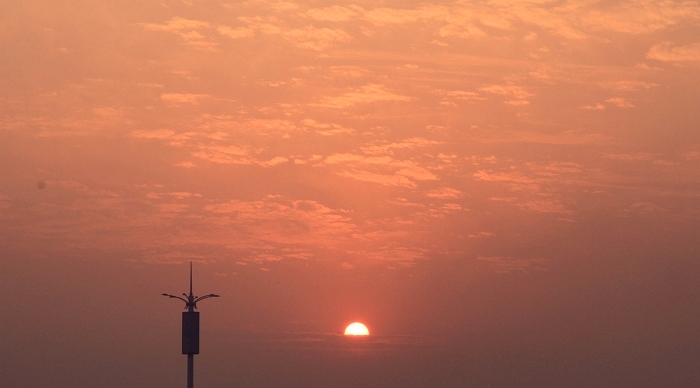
[668,53]
[513,264]
[183,98]
[364,95]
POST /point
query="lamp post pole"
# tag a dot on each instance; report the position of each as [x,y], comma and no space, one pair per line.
[190,328]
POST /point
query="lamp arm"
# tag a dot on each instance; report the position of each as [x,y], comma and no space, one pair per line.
[175,297]
[206,297]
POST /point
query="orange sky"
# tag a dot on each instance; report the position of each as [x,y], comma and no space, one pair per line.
[502,184]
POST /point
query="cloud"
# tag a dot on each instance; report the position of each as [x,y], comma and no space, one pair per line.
[519,94]
[405,256]
[481,235]
[221,154]
[354,158]
[645,208]
[173,207]
[269,127]
[189,30]
[308,37]
[266,25]
[316,38]
[538,186]
[387,148]
[616,101]
[180,194]
[667,53]
[466,30]
[274,161]
[565,137]
[569,20]
[201,34]
[348,71]
[460,20]
[364,95]
[597,106]
[176,25]
[283,6]
[414,171]
[334,13]
[183,98]
[179,139]
[444,193]
[630,85]
[531,175]
[558,20]
[327,129]
[545,206]
[211,141]
[512,264]
[174,257]
[383,170]
[382,179]
[463,95]
[513,177]
[235,33]
[387,16]
[619,102]
[279,222]
[153,134]
[631,157]
[641,16]
[517,102]
[691,155]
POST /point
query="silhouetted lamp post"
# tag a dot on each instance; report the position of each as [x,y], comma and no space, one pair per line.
[190,328]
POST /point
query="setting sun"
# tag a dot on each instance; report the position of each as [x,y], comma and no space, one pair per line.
[356,328]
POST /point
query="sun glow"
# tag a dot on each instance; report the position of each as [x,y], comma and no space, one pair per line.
[356,328]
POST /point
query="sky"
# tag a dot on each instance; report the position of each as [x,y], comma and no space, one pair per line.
[507,193]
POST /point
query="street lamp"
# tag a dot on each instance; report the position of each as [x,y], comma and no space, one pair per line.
[190,328]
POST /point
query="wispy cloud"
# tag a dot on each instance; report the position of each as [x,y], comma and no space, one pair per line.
[221,154]
[597,106]
[444,193]
[183,98]
[315,38]
[383,170]
[538,187]
[277,220]
[235,33]
[667,52]
[516,95]
[364,95]
[394,179]
[327,129]
[640,17]
[513,264]
[191,31]
[335,13]
[631,157]
[308,37]
[620,102]
[561,138]
[280,86]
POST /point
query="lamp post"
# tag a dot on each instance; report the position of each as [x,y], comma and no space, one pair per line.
[190,328]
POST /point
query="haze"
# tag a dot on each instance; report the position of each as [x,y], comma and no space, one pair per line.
[507,193]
